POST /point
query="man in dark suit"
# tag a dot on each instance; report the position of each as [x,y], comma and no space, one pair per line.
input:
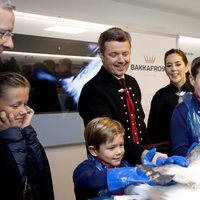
[104,95]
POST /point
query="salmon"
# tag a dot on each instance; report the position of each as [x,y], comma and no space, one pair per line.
[189,176]
[172,182]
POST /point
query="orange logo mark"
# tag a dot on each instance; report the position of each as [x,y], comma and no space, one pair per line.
[149,59]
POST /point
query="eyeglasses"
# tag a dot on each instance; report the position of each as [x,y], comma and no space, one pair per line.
[6,35]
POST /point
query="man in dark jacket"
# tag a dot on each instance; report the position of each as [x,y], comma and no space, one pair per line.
[104,96]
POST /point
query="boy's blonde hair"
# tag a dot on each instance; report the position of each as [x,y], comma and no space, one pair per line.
[102,129]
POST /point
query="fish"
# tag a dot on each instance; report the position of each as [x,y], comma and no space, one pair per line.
[157,192]
[189,176]
[172,181]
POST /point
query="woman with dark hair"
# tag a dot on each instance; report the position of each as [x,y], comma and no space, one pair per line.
[166,98]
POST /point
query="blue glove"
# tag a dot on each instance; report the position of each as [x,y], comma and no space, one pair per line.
[179,160]
[194,144]
[149,157]
[120,178]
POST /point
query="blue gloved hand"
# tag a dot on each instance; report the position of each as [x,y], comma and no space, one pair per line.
[120,178]
[179,160]
[194,144]
[149,157]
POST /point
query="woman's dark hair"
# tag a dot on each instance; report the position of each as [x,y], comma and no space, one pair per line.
[177,51]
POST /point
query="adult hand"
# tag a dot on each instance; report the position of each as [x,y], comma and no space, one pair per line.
[158,159]
[150,156]
[179,160]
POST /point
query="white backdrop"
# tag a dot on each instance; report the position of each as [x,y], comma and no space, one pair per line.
[191,46]
[147,64]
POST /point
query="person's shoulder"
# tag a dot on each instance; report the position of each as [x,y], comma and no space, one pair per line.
[162,91]
[90,83]
[85,164]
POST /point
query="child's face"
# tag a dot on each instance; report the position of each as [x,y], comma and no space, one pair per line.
[14,101]
[196,83]
[112,152]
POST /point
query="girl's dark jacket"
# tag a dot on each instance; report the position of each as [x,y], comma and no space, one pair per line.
[14,144]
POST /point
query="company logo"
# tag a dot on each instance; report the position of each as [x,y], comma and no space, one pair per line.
[149,59]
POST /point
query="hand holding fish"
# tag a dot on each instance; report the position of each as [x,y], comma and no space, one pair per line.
[158,159]
[186,175]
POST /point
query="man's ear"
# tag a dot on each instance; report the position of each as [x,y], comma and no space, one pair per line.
[191,78]
[93,151]
[101,56]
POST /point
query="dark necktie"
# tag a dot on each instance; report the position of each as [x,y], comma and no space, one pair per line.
[131,110]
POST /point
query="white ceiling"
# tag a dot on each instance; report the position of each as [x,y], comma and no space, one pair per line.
[60,7]
[183,7]
[177,17]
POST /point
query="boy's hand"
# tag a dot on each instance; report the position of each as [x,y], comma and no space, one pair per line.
[28,117]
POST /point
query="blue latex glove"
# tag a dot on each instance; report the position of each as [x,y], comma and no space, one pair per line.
[179,160]
[194,144]
[120,178]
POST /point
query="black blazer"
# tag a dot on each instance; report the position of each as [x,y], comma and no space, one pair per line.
[101,96]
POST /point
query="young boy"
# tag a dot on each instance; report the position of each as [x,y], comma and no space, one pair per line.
[105,172]
[24,168]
